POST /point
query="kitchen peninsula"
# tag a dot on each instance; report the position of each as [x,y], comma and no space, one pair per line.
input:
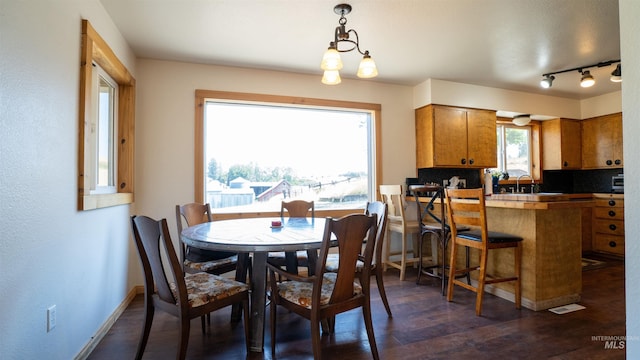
[551,226]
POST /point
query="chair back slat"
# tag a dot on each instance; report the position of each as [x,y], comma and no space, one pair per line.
[467,207]
[350,231]
[392,196]
[297,208]
[152,238]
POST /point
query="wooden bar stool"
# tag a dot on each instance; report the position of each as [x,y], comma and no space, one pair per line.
[398,222]
[467,207]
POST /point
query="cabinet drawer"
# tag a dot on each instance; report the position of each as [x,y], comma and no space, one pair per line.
[609,243]
[609,203]
[613,213]
[609,227]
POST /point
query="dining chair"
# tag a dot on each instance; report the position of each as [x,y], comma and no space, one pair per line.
[467,207]
[333,260]
[183,295]
[324,295]
[292,260]
[213,262]
[399,222]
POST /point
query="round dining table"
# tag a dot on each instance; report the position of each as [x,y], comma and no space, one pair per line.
[259,237]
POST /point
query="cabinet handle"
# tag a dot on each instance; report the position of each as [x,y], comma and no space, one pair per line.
[612,203]
[618,161]
[612,244]
[565,164]
[612,227]
[463,161]
[612,213]
[609,162]
[470,161]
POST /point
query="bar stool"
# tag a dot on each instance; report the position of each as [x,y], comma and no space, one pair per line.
[467,206]
[433,223]
[393,196]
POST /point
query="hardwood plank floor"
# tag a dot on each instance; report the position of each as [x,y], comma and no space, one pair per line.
[424,326]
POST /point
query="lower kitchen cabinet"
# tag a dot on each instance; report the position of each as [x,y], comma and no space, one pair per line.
[608,224]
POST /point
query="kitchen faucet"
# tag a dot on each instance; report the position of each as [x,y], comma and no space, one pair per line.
[518,182]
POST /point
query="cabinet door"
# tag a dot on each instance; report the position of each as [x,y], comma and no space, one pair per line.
[571,145]
[561,145]
[615,123]
[602,142]
[481,139]
[450,137]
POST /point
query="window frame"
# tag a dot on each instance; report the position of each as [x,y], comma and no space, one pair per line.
[535,147]
[201,96]
[94,50]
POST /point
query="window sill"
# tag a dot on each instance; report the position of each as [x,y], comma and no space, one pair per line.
[97,201]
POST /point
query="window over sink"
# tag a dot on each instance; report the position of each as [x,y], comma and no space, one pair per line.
[514,149]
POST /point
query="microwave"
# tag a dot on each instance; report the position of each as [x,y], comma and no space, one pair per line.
[617,183]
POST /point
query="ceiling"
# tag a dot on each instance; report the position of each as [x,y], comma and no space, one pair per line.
[504,44]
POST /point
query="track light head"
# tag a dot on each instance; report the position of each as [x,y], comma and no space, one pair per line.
[616,75]
[547,81]
[587,80]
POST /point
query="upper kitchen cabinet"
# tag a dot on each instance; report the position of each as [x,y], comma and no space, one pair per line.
[455,137]
[561,145]
[602,142]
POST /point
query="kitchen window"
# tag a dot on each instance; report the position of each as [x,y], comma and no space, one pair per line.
[514,149]
[253,151]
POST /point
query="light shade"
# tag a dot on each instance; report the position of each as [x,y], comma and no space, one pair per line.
[331,77]
[587,80]
[331,59]
[616,75]
[521,120]
[547,81]
[367,68]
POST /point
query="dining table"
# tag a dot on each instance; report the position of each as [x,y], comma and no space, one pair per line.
[257,236]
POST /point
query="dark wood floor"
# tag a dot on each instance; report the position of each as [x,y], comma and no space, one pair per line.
[424,326]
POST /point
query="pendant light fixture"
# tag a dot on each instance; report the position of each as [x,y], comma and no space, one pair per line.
[331,61]
[586,80]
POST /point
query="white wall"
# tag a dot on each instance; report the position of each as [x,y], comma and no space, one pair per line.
[630,38]
[49,252]
[433,91]
[165,124]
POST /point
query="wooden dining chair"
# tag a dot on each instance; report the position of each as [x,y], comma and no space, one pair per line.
[292,260]
[379,209]
[213,262]
[185,296]
[326,294]
[467,207]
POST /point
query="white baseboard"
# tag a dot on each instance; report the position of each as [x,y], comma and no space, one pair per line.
[106,326]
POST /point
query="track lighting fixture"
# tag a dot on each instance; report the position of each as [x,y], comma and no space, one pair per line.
[547,81]
[586,79]
[616,75]
[331,62]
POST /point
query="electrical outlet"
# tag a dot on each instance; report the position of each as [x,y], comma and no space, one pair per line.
[51,317]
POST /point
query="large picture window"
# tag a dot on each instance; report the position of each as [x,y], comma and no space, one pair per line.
[257,153]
